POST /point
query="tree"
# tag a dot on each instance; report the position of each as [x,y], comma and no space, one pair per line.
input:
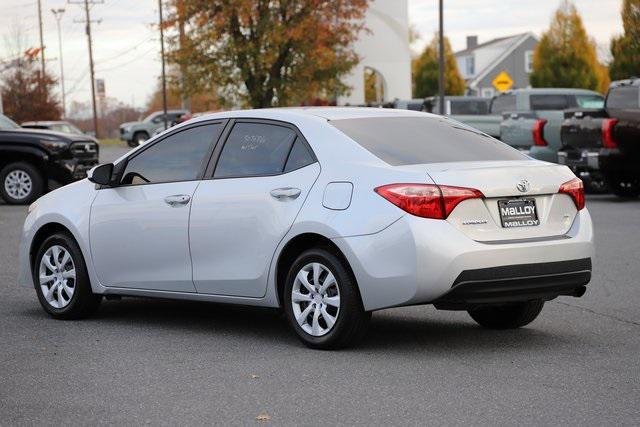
[426,71]
[625,49]
[199,102]
[267,52]
[26,95]
[565,55]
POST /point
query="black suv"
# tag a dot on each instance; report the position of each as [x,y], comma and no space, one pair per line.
[33,161]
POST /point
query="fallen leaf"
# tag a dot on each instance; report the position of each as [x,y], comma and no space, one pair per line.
[263,416]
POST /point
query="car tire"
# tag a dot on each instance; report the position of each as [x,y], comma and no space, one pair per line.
[324,326]
[138,139]
[627,188]
[509,316]
[20,183]
[66,295]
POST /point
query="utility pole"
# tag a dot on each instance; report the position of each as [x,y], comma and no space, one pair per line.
[41,42]
[441,62]
[57,13]
[88,22]
[186,100]
[164,78]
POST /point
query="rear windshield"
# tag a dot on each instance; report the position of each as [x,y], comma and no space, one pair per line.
[415,140]
[623,97]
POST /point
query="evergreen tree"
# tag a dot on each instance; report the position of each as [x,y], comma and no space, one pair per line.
[626,48]
[565,55]
[425,71]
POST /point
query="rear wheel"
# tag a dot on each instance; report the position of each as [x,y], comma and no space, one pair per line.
[509,316]
[61,280]
[20,183]
[322,302]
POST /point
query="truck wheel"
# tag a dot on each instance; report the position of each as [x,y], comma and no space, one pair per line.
[138,139]
[626,188]
[20,183]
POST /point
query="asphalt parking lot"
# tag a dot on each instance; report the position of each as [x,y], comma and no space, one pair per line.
[165,362]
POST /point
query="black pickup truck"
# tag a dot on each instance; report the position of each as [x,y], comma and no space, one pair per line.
[603,145]
[34,161]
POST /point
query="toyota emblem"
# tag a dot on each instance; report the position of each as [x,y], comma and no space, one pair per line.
[523,186]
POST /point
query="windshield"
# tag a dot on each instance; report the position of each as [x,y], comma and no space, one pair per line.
[150,117]
[66,128]
[590,101]
[6,123]
[416,140]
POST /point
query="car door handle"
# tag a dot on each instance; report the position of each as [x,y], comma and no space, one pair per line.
[177,200]
[287,193]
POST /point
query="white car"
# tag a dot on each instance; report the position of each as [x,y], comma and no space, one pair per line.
[327,213]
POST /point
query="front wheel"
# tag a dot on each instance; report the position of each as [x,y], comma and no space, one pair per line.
[61,279]
[508,316]
[138,139]
[322,302]
[21,183]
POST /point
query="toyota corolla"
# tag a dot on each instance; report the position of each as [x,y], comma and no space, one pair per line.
[327,213]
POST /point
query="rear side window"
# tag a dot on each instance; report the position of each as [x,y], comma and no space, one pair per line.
[254,149]
[299,157]
[414,140]
[502,103]
[550,102]
[178,157]
[473,108]
[623,98]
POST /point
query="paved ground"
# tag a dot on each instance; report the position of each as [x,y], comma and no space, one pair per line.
[163,362]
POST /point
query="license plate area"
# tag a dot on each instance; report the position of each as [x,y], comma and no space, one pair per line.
[518,213]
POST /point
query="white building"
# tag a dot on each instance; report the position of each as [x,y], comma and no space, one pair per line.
[383,50]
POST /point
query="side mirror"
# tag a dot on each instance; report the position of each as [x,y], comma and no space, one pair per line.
[101,174]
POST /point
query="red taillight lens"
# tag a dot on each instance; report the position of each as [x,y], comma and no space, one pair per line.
[575,189]
[538,133]
[427,200]
[608,141]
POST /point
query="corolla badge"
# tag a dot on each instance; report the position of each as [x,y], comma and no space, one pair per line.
[523,186]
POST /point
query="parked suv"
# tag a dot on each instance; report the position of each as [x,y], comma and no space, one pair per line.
[135,133]
[603,143]
[32,161]
[533,123]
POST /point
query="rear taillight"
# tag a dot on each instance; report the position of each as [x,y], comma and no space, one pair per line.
[538,133]
[427,200]
[608,141]
[575,189]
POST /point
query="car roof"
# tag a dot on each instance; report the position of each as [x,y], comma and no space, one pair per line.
[327,113]
[553,91]
[45,122]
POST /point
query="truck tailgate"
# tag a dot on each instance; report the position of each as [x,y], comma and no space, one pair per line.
[582,129]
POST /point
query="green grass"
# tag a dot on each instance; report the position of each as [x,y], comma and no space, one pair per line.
[111,141]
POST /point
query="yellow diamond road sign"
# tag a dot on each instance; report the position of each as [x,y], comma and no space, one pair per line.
[502,81]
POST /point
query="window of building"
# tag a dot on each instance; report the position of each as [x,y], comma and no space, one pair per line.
[471,65]
[487,92]
[528,61]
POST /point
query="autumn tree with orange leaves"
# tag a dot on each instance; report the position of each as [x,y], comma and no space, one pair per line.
[265,53]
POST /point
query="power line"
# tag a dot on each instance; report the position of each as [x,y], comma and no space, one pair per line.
[137,58]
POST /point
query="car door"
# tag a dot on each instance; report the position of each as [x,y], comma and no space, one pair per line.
[262,176]
[139,229]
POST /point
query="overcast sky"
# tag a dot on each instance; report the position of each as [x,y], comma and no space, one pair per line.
[126,46]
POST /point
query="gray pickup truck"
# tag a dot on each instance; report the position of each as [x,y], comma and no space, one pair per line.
[484,114]
[135,133]
[534,122]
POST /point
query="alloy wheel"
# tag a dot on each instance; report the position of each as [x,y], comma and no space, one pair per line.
[18,184]
[57,276]
[315,299]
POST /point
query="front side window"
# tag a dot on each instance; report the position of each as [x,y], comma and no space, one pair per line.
[178,157]
[502,103]
[475,107]
[254,149]
[623,97]
[416,140]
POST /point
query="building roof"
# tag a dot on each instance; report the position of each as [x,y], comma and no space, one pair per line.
[488,43]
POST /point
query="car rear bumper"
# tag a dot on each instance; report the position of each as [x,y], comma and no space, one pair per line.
[419,261]
[582,160]
[521,282]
